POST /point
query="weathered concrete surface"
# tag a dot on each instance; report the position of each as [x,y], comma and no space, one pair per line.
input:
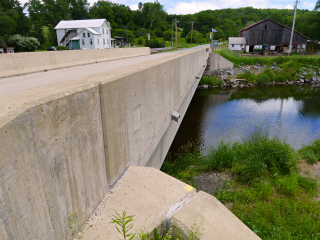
[52,162]
[155,198]
[62,145]
[19,83]
[206,214]
[144,192]
[137,109]
[22,63]
[217,62]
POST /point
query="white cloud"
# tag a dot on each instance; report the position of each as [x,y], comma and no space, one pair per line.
[191,7]
[308,5]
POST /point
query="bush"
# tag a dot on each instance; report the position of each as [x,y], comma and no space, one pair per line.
[140,32]
[196,37]
[157,32]
[311,152]
[168,34]
[266,76]
[256,158]
[61,48]
[153,43]
[23,44]
[249,76]
[140,41]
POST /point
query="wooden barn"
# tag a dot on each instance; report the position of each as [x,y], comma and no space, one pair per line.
[276,35]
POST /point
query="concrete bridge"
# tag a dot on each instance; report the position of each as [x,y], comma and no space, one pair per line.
[68,135]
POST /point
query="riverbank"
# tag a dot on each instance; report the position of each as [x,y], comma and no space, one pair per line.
[264,182]
[253,71]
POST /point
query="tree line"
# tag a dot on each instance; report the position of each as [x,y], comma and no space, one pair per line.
[37,19]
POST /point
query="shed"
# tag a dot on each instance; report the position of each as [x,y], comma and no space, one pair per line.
[236,43]
[276,35]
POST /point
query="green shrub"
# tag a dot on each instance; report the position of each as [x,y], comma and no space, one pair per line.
[168,34]
[249,76]
[266,76]
[22,43]
[140,41]
[311,152]
[61,48]
[211,80]
[153,43]
[257,157]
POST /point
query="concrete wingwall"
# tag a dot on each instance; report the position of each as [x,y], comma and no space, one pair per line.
[22,63]
[216,62]
[61,147]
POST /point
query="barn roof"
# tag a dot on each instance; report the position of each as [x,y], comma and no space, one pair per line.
[90,23]
[254,24]
[237,40]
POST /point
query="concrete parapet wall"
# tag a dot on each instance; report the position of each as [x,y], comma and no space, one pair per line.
[61,146]
[216,62]
[51,164]
[22,63]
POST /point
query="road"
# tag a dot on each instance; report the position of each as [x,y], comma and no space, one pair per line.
[23,82]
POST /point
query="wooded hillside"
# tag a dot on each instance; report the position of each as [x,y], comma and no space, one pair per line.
[38,19]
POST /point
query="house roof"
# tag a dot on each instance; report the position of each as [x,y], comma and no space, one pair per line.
[90,23]
[237,40]
[93,31]
[250,26]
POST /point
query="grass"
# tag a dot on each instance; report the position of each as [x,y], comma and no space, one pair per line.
[296,61]
[267,191]
[211,80]
[311,152]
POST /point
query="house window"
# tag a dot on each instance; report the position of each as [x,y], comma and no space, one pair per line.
[102,30]
[232,45]
[88,34]
[265,27]
[90,41]
[82,41]
[241,45]
[98,41]
[84,35]
[104,42]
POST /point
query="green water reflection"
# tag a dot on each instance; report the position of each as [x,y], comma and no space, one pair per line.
[291,113]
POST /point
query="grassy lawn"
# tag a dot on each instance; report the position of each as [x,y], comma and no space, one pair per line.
[267,190]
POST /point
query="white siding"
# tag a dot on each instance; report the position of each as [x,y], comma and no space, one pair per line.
[236,47]
[104,37]
[60,34]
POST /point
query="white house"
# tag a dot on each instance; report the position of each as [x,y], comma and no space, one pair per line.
[84,34]
[236,43]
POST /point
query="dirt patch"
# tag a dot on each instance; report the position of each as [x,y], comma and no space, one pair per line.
[211,182]
[310,170]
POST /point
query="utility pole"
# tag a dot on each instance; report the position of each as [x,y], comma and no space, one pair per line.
[172,35]
[176,34]
[292,30]
[191,31]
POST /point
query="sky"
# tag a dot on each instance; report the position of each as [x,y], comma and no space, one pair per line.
[193,6]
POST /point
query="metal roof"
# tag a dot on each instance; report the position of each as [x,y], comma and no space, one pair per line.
[237,40]
[93,31]
[90,23]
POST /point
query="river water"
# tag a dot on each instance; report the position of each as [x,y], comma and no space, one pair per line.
[291,113]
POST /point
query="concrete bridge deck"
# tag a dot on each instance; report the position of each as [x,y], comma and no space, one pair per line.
[12,84]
